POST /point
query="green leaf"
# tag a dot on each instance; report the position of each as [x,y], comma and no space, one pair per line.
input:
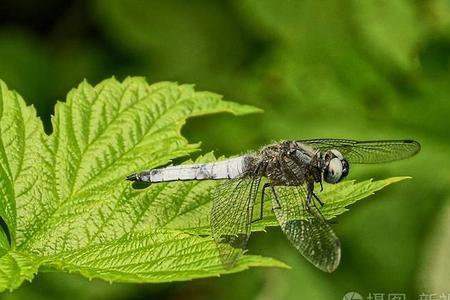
[64,195]
[67,206]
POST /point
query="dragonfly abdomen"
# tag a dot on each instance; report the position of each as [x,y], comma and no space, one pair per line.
[226,169]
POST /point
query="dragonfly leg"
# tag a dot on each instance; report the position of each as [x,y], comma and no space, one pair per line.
[311,195]
[261,211]
[318,200]
[310,189]
[276,199]
[321,205]
[311,204]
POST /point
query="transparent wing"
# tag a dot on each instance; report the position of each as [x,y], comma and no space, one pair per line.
[306,228]
[367,152]
[231,216]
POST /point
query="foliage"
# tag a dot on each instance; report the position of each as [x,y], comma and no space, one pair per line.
[67,206]
[370,69]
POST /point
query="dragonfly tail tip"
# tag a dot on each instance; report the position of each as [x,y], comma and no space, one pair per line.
[132,177]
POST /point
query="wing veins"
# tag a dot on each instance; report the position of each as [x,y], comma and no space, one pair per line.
[231,216]
[306,228]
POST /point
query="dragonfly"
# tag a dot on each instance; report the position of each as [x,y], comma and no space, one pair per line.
[287,173]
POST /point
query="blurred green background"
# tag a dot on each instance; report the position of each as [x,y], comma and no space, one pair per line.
[372,69]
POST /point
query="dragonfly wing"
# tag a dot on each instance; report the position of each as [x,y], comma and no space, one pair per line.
[367,152]
[231,217]
[306,228]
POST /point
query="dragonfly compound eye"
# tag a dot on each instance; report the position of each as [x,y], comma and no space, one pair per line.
[345,168]
[337,154]
[334,171]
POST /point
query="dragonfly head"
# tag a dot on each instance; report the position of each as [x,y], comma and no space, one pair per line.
[336,167]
